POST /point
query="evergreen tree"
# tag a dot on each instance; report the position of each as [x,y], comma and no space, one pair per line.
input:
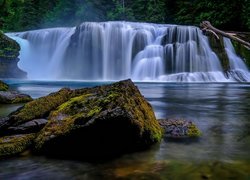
[19,15]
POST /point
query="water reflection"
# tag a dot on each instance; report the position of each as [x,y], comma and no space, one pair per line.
[5,109]
[221,111]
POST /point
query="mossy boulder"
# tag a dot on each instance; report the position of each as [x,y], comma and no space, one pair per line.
[12,145]
[36,109]
[179,128]
[9,52]
[3,86]
[12,97]
[100,122]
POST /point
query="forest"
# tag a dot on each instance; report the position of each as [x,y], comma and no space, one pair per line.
[21,15]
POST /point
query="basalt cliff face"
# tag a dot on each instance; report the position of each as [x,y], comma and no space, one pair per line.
[9,52]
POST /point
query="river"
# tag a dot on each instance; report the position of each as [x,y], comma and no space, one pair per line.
[220,110]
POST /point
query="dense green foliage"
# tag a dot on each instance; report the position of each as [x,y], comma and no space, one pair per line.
[18,15]
[9,49]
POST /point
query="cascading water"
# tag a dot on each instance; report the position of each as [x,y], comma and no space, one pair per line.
[119,50]
[238,69]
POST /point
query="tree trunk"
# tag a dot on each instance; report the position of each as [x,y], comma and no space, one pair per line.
[207,27]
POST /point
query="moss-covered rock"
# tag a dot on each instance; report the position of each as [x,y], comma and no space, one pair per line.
[217,46]
[179,128]
[38,108]
[9,52]
[3,86]
[100,122]
[9,49]
[12,97]
[12,145]
[243,52]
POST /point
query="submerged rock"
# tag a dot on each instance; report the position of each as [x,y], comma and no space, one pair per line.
[100,122]
[11,97]
[12,145]
[179,128]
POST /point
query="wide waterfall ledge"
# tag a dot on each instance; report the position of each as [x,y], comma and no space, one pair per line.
[118,50]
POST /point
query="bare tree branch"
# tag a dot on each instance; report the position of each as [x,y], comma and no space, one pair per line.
[206,26]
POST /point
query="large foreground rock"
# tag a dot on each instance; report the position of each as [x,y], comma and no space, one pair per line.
[100,122]
[92,123]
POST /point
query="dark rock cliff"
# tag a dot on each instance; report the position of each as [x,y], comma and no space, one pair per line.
[9,52]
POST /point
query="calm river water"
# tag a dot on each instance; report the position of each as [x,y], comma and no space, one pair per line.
[220,110]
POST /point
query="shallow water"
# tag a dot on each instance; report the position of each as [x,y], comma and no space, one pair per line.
[220,110]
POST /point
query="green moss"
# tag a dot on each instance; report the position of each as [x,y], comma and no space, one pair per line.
[9,49]
[11,145]
[142,110]
[217,46]
[3,86]
[40,108]
[94,111]
[243,52]
[87,104]
[193,131]
[21,100]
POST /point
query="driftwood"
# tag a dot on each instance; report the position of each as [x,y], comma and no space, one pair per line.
[207,27]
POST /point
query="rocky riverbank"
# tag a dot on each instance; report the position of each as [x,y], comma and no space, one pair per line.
[11,97]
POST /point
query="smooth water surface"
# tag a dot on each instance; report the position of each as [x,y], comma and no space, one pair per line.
[220,110]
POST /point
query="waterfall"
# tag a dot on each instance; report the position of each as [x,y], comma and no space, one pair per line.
[119,50]
[238,69]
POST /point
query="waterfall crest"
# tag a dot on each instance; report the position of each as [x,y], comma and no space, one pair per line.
[119,50]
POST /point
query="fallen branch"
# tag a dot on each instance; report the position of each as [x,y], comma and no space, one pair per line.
[206,26]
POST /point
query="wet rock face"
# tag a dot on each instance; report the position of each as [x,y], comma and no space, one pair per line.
[179,128]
